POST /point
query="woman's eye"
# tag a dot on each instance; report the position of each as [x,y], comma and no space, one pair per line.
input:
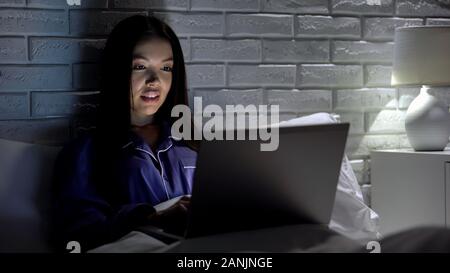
[138,67]
[167,69]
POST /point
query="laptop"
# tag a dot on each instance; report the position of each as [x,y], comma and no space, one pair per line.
[237,187]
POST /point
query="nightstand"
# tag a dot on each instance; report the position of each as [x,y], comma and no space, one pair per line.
[410,188]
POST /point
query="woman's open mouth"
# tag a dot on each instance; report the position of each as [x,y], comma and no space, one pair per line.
[150,97]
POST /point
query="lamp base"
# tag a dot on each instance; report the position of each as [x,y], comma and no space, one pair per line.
[427,123]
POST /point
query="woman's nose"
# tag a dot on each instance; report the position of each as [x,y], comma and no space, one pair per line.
[151,77]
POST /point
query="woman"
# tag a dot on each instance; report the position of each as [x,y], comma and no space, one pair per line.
[106,184]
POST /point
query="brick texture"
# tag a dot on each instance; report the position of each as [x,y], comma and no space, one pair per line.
[12,3]
[295,6]
[296,51]
[301,100]
[12,50]
[421,8]
[259,25]
[366,98]
[63,4]
[30,21]
[382,28]
[363,6]
[65,50]
[226,50]
[330,75]
[327,26]
[154,4]
[267,75]
[350,51]
[228,5]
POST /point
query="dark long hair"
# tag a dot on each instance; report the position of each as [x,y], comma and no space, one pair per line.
[114,118]
[114,110]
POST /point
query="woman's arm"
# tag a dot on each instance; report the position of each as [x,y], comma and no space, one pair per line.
[80,212]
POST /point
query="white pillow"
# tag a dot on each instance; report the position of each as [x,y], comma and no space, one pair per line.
[351,217]
[25,175]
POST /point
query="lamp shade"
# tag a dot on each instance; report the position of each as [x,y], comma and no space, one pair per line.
[421,56]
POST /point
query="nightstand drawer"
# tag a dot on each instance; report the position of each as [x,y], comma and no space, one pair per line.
[410,189]
[447,193]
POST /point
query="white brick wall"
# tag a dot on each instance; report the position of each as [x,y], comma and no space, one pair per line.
[382,28]
[270,25]
[330,75]
[327,26]
[361,52]
[263,75]
[202,75]
[219,50]
[305,55]
[377,75]
[365,99]
[64,50]
[363,6]
[282,51]
[301,100]
[228,5]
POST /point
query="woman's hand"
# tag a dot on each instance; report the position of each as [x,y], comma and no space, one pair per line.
[174,219]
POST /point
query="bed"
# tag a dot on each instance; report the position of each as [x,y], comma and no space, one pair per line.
[25,175]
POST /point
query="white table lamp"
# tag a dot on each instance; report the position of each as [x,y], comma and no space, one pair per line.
[422,58]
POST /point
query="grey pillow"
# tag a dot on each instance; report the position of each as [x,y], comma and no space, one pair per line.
[25,177]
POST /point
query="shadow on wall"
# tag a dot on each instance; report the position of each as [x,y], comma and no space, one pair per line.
[49,73]
[92,27]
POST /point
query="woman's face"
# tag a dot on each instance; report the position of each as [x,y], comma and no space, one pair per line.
[151,78]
